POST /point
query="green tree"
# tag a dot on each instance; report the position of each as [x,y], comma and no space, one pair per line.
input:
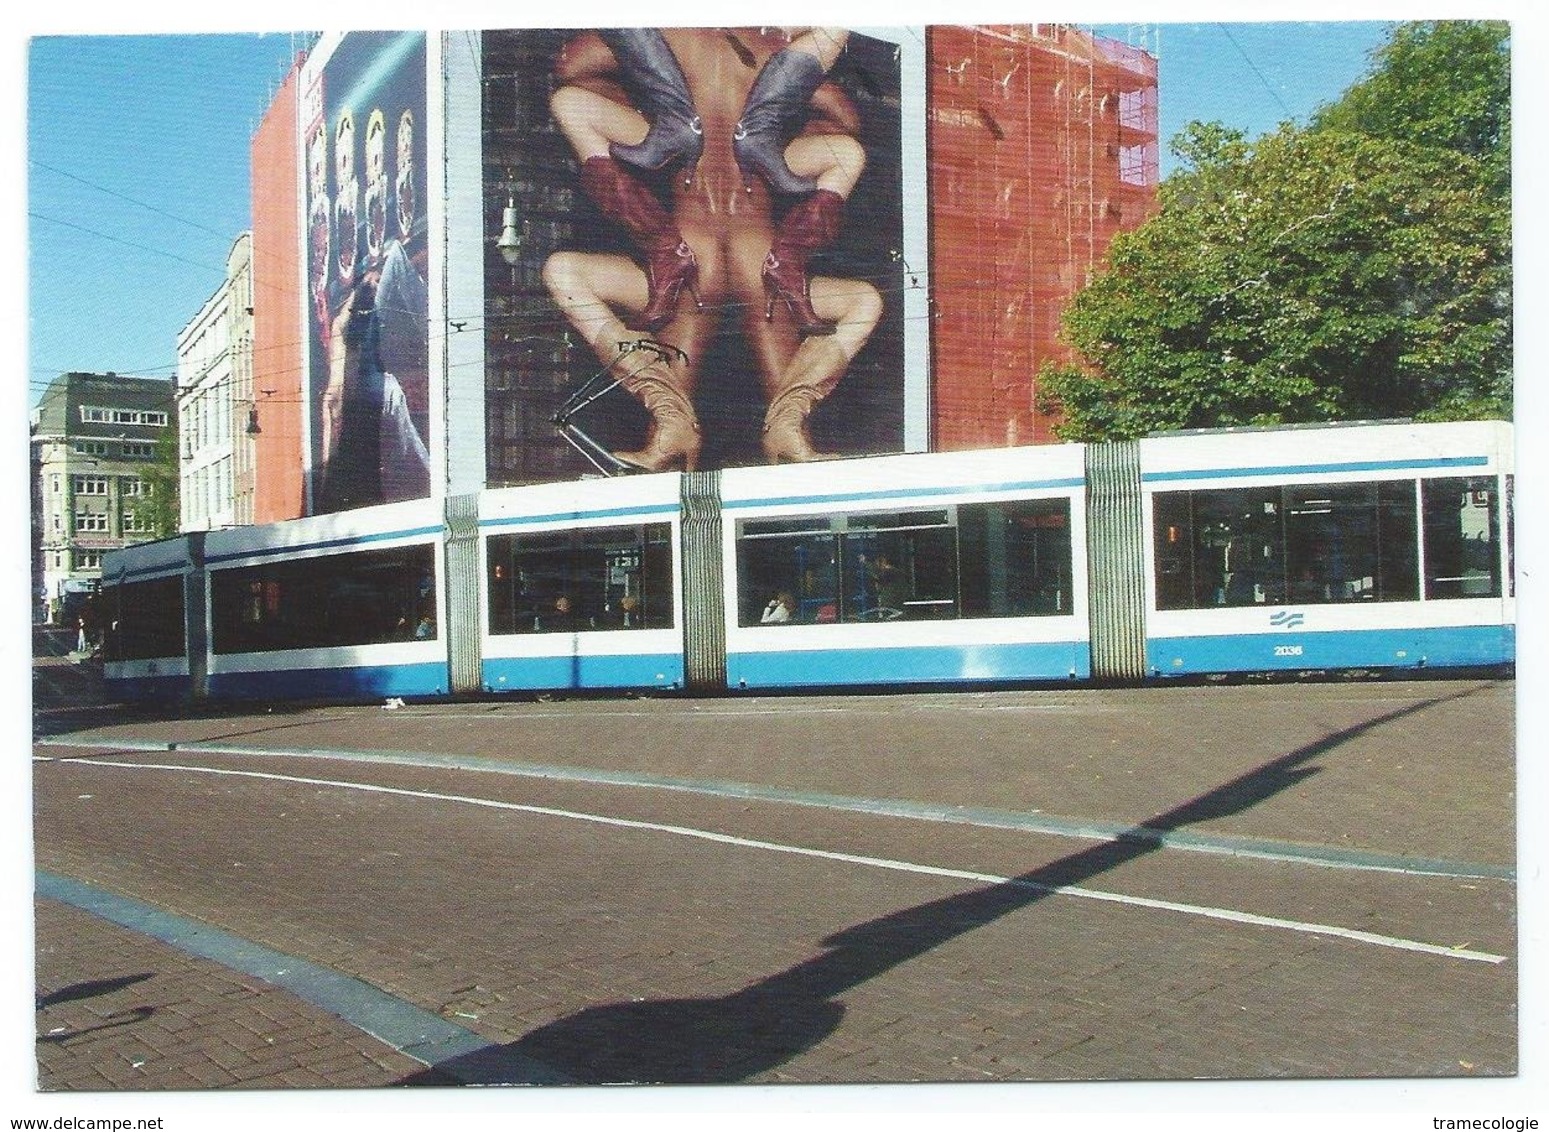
[1444,84]
[161,477]
[1354,269]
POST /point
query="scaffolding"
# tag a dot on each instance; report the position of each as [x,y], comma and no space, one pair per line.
[1043,146]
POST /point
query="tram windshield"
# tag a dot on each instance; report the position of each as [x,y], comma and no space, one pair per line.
[143,620]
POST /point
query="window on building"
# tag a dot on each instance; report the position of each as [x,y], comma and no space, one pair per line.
[138,450]
[87,522]
[97,414]
[91,485]
[133,487]
[136,523]
[91,448]
[88,559]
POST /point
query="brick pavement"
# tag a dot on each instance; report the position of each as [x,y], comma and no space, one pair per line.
[1119,754]
[120,1011]
[558,941]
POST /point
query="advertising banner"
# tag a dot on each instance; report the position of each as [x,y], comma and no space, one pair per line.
[701,254]
[364,156]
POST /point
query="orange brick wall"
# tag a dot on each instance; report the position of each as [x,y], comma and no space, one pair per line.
[278,332]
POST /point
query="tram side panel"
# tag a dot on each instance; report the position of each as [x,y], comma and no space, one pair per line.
[581,586]
[920,569]
[1358,547]
[349,606]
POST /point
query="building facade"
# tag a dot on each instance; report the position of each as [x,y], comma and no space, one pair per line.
[215,396]
[95,441]
[1043,142]
[429,182]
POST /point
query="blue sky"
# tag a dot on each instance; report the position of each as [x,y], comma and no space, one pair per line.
[138,182]
[137,170]
[1255,75]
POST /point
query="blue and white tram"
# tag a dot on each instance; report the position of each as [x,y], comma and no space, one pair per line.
[967,567]
[1365,546]
[1381,546]
[343,606]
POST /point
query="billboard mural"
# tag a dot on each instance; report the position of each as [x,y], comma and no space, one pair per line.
[367,390]
[709,228]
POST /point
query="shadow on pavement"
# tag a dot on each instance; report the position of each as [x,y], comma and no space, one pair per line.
[76,991]
[733,1037]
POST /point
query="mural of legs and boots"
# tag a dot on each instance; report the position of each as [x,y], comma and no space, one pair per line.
[743,135]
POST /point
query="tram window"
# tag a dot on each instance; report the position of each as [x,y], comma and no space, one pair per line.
[1511,536]
[1303,544]
[364,597]
[569,581]
[1350,542]
[995,560]
[909,572]
[1015,558]
[1174,556]
[1462,538]
[807,525]
[897,520]
[1238,547]
[799,573]
[144,620]
[1218,548]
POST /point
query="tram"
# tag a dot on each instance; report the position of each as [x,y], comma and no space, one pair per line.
[1364,547]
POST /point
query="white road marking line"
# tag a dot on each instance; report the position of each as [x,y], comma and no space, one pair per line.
[1204,911]
[1033,820]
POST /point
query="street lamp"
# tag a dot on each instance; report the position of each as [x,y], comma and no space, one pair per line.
[510,243]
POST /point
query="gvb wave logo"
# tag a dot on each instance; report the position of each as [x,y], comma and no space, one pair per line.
[1286,619]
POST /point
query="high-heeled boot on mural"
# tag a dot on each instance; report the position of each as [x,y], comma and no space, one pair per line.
[786,439]
[771,115]
[669,263]
[651,74]
[674,439]
[809,226]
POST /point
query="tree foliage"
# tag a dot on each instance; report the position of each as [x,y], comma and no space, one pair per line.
[161,477]
[1357,268]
